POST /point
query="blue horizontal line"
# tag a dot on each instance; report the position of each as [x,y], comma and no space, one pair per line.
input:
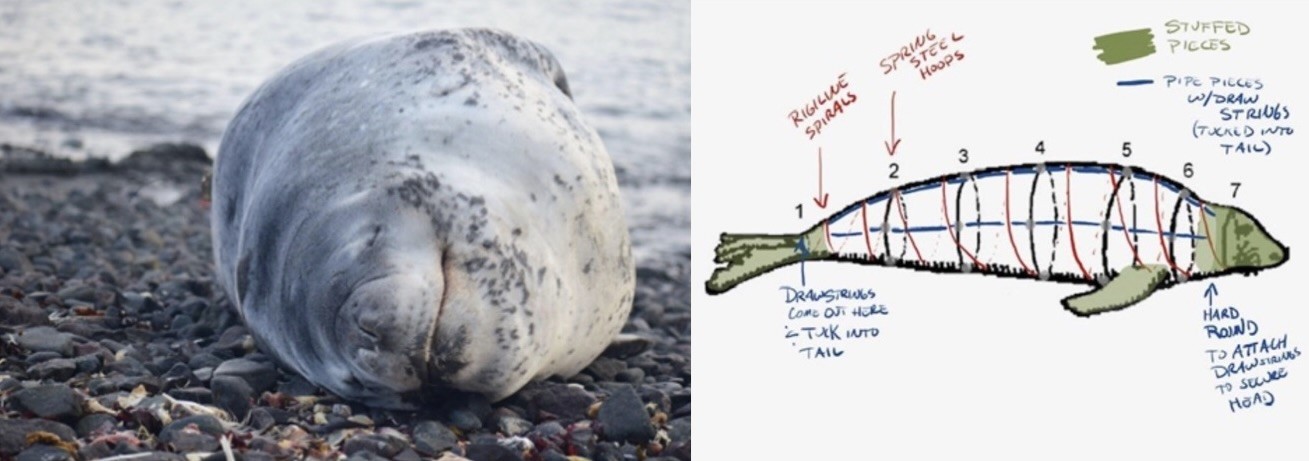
[1021,171]
[1021,224]
[920,188]
[1144,81]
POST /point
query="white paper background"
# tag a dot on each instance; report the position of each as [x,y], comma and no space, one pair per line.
[972,366]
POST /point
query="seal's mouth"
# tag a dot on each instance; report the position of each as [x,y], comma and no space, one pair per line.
[447,346]
[429,354]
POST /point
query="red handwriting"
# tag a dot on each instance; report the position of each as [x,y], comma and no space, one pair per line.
[927,53]
[819,112]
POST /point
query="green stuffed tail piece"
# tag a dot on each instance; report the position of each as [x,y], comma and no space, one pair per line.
[747,256]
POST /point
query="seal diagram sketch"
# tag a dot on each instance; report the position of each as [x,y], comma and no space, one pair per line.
[1125,231]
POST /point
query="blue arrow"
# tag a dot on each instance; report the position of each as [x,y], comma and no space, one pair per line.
[803,249]
[1210,293]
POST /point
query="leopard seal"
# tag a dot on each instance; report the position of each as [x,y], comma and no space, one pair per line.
[403,214]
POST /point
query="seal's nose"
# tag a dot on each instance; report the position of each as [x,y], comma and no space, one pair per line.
[384,330]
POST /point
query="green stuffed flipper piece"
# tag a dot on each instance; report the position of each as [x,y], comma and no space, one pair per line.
[1132,285]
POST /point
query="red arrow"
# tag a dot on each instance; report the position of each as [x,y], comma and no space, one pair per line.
[821,202]
[894,144]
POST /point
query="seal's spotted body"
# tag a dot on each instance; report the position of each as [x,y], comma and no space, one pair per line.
[423,209]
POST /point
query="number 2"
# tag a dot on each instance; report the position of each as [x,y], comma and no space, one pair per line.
[895,171]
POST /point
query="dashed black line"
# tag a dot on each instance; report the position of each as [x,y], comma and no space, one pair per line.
[1054,205]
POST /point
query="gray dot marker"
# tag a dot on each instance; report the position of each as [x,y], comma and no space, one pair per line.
[1044,274]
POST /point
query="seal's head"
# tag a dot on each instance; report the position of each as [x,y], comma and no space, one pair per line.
[1243,243]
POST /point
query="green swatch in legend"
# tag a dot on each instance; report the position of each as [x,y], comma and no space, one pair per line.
[1124,46]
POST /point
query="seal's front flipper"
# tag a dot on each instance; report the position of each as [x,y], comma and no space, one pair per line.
[1127,288]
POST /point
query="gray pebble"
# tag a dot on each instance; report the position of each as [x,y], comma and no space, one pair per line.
[605,368]
[44,453]
[631,375]
[377,444]
[89,363]
[13,261]
[431,438]
[46,339]
[57,370]
[623,418]
[566,402]
[513,426]
[193,394]
[13,433]
[56,402]
[260,376]
[492,452]
[95,423]
[465,420]
[232,394]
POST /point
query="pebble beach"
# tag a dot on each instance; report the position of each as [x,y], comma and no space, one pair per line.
[115,343]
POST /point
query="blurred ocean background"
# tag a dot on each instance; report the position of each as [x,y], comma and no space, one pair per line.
[98,78]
